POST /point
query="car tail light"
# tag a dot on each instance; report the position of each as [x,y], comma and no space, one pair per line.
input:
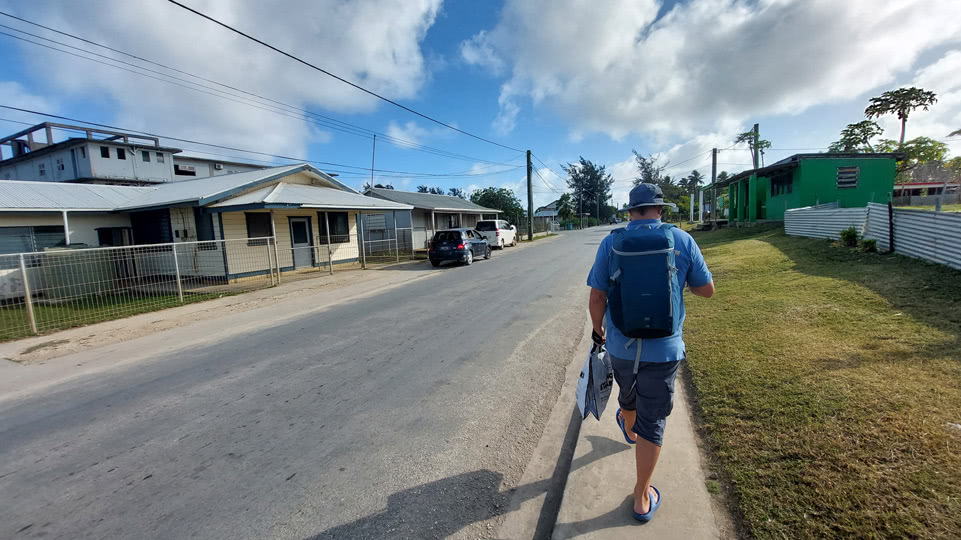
[430,246]
[460,246]
[497,232]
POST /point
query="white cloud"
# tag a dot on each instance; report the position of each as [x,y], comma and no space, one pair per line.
[479,51]
[14,94]
[706,65]
[410,131]
[374,43]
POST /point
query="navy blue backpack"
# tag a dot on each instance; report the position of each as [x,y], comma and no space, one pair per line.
[644,293]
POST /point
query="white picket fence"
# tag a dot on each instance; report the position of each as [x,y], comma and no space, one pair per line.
[922,234]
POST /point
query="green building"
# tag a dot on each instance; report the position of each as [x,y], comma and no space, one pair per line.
[764,194]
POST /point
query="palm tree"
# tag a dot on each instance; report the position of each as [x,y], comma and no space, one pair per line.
[901,102]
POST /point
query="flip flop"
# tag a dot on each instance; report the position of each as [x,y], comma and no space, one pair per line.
[620,424]
[647,516]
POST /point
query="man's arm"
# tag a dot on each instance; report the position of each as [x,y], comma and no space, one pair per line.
[598,306]
[706,291]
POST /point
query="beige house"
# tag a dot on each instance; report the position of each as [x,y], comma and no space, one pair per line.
[433,213]
[228,219]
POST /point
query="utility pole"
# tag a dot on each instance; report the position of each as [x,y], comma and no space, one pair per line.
[530,200]
[757,141]
[714,185]
[373,149]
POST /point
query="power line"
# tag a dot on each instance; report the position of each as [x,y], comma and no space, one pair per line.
[189,141]
[322,120]
[341,79]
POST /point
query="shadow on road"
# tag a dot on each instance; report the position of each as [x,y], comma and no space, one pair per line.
[441,508]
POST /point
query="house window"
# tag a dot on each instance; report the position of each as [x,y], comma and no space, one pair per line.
[28,239]
[184,170]
[121,153]
[339,228]
[113,236]
[42,169]
[59,164]
[258,226]
[83,152]
[146,156]
[847,177]
[782,184]
[160,157]
[105,152]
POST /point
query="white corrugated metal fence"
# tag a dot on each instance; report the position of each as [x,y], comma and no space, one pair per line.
[922,234]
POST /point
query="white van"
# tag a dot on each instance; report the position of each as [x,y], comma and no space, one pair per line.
[498,232]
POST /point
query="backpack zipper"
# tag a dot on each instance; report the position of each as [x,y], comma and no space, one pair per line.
[634,253]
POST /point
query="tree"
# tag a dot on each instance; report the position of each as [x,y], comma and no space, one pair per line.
[501,199]
[916,151]
[423,189]
[762,144]
[954,165]
[722,176]
[856,138]
[378,186]
[648,168]
[954,133]
[566,206]
[457,192]
[900,102]
[591,184]
[692,181]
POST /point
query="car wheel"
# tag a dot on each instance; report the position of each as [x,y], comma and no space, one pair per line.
[514,241]
[470,257]
[487,254]
[435,263]
[501,243]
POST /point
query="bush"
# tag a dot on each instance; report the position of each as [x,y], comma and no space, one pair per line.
[870,245]
[849,237]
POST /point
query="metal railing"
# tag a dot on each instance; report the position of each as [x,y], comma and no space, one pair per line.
[63,288]
[387,250]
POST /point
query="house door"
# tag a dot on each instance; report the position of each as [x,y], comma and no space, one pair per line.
[300,242]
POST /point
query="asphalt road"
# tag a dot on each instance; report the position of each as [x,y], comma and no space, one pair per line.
[407,414]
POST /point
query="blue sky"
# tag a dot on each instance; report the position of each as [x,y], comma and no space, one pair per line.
[564,78]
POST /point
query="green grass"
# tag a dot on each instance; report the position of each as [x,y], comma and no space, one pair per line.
[944,208]
[825,378]
[50,317]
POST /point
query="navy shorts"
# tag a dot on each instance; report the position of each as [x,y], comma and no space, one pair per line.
[650,393]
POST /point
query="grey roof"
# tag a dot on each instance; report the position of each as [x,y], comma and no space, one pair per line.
[203,191]
[210,191]
[430,201]
[310,197]
[17,195]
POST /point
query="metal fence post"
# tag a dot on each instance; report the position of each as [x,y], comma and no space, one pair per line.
[396,245]
[360,231]
[28,297]
[276,258]
[330,254]
[270,264]
[180,288]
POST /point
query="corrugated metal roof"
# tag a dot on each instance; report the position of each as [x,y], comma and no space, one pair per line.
[310,196]
[430,201]
[17,195]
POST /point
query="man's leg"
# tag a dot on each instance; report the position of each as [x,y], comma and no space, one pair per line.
[629,418]
[654,385]
[645,455]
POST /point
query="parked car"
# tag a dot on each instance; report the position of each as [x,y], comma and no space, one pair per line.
[614,220]
[462,245]
[498,232]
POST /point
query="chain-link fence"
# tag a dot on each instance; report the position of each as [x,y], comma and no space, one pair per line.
[58,289]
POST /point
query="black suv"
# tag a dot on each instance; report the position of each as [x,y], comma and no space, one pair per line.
[462,245]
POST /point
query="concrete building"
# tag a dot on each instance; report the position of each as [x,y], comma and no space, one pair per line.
[102,156]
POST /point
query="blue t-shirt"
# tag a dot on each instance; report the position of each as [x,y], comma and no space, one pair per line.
[691,270]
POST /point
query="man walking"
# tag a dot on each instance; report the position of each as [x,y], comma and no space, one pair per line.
[641,297]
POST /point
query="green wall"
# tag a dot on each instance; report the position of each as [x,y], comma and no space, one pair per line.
[815,182]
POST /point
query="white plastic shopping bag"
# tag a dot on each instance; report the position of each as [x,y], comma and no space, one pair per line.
[595,383]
